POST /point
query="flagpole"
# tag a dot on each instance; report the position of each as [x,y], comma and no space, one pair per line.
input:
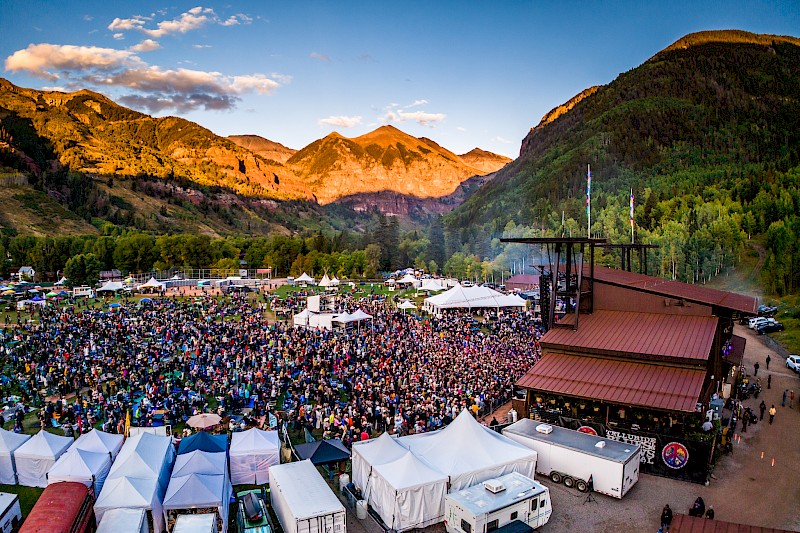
[631,215]
[588,200]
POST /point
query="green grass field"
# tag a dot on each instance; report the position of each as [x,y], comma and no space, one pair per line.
[27,496]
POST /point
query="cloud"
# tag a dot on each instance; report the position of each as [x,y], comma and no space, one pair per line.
[417,103]
[46,60]
[461,128]
[154,88]
[199,46]
[119,36]
[88,18]
[340,121]
[192,19]
[55,89]
[319,57]
[135,23]
[420,117]
[148,45]
[502,140]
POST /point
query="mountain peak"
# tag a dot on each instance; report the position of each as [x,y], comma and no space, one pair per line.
[728,36]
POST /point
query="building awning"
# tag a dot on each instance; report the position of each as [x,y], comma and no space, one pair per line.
[627,333]
[614,381]
[736,352]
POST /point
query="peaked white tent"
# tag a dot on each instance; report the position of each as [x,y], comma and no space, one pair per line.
[408,493]
[469,453]
[99,442]
[325,281]
[431,285]
[335,282]
[138,478]
[252,453]
[192,523]
[304,279]
[152,283]
[406,304]
[37,455]
[89,468]
[111,286]
[369,453]
[409,279]
[60,282]
[9,442]
[475,297]
[360,315]
[197,491]
[199,462]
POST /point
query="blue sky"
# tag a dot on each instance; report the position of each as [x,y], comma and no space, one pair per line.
[463,73]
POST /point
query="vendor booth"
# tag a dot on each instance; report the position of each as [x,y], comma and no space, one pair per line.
[205,442]
[37,456]
[99,442]
[89,468]
[252,453]
[9,442]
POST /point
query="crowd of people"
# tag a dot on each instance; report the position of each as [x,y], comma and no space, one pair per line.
[170,358]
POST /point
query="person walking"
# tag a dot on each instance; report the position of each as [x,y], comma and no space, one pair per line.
[783,401]
[755,369]
[666,519]
[768,360]
[762,407]
[772,412]
[769,381]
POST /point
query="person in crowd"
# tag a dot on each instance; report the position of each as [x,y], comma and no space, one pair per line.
[772,412]
[666,518]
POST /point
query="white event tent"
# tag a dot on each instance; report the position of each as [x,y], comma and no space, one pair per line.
[99,442]
[252,453]
[37,456]
[462,454]
[408,279]
[431,285]
[152,283]
[198,491]
[81,466]
[138,478]
[9,442]
[123,521]
[407,493]
[475,297]
[304,279]
[111,286]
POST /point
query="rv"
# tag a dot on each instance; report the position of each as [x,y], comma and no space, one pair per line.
[578,459]
[512,502]
[303,501]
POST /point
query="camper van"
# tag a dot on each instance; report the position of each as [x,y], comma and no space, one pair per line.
[512,502]
[82,291]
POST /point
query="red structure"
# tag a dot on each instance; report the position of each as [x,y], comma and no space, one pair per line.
[64,507]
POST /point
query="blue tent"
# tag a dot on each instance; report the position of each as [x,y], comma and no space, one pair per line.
[204,442]
[322,451]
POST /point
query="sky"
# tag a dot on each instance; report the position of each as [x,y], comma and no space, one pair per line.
[464,73]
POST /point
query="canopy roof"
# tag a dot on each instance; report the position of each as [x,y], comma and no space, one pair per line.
[408,278]
[252,453]
[620,382]
[254,440]
[323,451]
[205,442]
[196,490]
[152,283]
[408,472]
[122,521]
[306,493]
[43,444]
[472,297]
[143,455]
[406,304]
[89,468]
[10,441]
[359,315]
[431,285]
[200,462]
[129,492]
[99,441]
[373,452]
[325,281]
[304,278]
[111,286]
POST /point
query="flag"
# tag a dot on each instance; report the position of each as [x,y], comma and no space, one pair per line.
[632,198]
[588,189]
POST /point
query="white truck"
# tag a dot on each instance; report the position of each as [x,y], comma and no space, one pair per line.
[509,503]
[577,459]
[303,501]
[10,514]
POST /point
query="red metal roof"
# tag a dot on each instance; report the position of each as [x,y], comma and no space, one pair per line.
[614,381]
[682,523]
[626,332]
[527,279]
[675,289]
[57,508]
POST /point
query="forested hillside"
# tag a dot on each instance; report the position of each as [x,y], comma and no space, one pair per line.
[706,134]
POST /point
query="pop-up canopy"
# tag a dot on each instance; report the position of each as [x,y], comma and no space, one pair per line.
[9,442]
[37,456]
[252,453]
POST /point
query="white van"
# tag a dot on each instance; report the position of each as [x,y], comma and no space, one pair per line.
[10,513]
[512,501]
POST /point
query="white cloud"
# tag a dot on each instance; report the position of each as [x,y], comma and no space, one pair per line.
[135,23]
[319,57]
[148,45]
[420,117]
[461,128]
[192,19]
[154,88]
[88,18]
[54,89]
[502,140]
[119,36]
[340,121]
[199,46]
[417,103]
[45,60]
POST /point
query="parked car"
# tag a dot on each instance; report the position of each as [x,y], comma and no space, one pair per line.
[759,321]
[767,310]
[793,362]
[769,327]
[252,514]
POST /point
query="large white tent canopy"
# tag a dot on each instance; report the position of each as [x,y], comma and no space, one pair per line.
[252,453]
[462,454]
[100,442]
[475,297]
[407,493]
[304,278]
[138,478]
[81,466]
[431,285]
[37,456]
[197,491]
[123,521]
[111,286]
[152,283]
[9,442]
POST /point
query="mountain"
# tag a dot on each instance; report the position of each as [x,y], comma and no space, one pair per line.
[486,162]
[74,161]
[384,162]
[715,115]
[264,147]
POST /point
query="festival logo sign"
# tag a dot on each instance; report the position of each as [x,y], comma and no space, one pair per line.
[675,455]
[588,429]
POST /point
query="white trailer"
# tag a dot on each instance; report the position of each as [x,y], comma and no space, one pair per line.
[82,291]
[10,514]
[303,501]
[509,503]
[580,460]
